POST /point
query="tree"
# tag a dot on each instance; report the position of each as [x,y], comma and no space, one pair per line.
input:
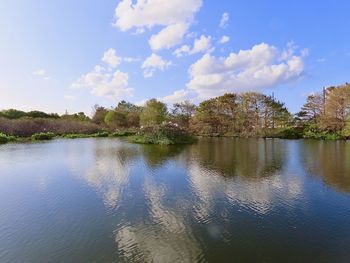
[99,114]
[182,113]
[116,119]
[154,113]
[12,114]
[337,108]
[313,109]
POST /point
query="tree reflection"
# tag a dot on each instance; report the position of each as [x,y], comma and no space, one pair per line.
[328,160]
[250,158]
[157,155]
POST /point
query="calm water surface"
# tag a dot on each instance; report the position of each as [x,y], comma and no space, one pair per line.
[221,200]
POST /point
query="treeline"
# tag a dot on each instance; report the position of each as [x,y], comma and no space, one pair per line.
[25,124]
[325,115]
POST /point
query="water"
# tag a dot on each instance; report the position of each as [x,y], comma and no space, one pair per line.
[221,200]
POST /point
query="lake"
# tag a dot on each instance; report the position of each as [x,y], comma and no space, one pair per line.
[220,200]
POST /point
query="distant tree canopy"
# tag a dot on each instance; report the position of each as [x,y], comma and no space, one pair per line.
[99,114]
[17,114]
[153,113]
[251,114]
[328,111]
[247,114]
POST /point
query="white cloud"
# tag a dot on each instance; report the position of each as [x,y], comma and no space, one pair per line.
[224,39]
[224,20]
[202,44]
[41,73]
[185,49]
[149,13]
[176,97]
[175,16]
[170,36]
[131,59]
[261,67]
[152,63]
[105,83]
[111,58]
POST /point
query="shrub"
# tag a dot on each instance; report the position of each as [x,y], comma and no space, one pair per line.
[76,136]
[100,134]
[163,134]
[122,133]
[291,133]
[6,138]
[26,127]
[43,136]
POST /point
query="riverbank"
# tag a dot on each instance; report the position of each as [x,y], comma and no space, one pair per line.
[140,138]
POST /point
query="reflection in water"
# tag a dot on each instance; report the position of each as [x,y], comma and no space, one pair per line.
[251,158]
[328,160]
[110,201]
[109,170]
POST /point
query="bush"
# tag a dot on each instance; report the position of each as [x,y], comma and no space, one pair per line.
[166,134]
[43,136]
[100,134]
[122,133]
[26,127]
[322,135]
[6,138]
[291,133]
[76,136]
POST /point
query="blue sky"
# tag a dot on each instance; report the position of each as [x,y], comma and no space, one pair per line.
[62,55]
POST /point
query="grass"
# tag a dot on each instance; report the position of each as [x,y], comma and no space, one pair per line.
[149,139]
[43,136]
[6,138]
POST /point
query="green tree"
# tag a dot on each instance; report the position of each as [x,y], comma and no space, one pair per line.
[182,113]
[12,114]
[99,114]
[116,119]
[153,113]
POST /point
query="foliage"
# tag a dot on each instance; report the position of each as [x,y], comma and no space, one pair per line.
[182,113]
[6,138]
[154,113]
[328,112]
[100,134]
[291,133]
[26,127]
[99,114]
[166,134]
[43,136]
[76,136]
[247,114]
[12,114]
[122,133]
[116,119]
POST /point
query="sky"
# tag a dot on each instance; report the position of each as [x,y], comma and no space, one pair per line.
[64,55]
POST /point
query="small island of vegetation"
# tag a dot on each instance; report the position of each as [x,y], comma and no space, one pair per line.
[325,115]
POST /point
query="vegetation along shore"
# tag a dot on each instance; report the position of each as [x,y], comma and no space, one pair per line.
[325,115]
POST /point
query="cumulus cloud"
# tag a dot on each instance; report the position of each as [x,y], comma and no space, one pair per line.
[41,73]
[131,59]
[105,83]
[174,16]
[176,97]
[224,40]
[202,44]
[152,63]
[261,67]
[224,20]
[168,37]
[110,57]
